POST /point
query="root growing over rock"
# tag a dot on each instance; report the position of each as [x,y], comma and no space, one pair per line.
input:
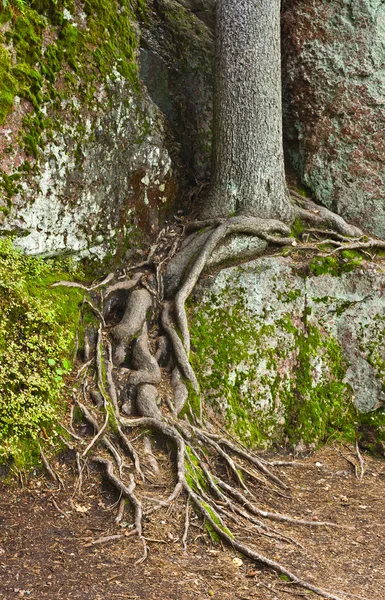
[149,348]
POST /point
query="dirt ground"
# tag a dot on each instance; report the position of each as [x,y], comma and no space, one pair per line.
[50,540]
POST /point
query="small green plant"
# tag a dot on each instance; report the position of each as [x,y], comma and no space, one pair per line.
[297,228]
[335,265]
[37,331]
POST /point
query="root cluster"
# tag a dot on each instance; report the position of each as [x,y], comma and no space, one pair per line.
[137,376]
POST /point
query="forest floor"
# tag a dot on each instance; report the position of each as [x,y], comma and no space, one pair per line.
[48,549]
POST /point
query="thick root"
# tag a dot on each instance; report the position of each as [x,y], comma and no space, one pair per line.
[126,491]
[310,212]
[215,472]
[250,553]
[146,365]
[180,391]
[125,285]
[181,356]
[139,304]
[202,246]
[146,402]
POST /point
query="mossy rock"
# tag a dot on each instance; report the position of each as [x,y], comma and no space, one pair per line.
[87,166]
[284,358]
[38,328]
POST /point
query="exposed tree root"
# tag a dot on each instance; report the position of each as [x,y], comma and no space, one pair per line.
[250,553]
[250,457]
[102,283]
[149,348]
[120,516]
[318,215]
[58,508]
[361,471]
[148,453]
[127,492]
[371,243]
[138,305]
[186,524]
[51,472]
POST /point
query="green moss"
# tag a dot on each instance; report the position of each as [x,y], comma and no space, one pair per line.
[222,338]
[353,255]
[37,333]
[10,184]
[239,360]
[297,228]
[322,265]
[290,295]
[210,529]
[82,54]
[304,191]
[193,404]
[317,409]
[8,85]
[106,41]
[371,431]
[335,265]
[194,474]
[142,10]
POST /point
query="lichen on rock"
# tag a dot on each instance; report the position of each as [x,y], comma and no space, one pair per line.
[334,82]
[86,163]
[287,357]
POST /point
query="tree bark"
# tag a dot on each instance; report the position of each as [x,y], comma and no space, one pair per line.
[247,163]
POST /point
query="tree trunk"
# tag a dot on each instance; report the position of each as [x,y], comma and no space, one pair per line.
[247,164]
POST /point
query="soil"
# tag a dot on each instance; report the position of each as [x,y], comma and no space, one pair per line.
[50,544]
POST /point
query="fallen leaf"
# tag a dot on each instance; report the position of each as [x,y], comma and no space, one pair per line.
[237,562]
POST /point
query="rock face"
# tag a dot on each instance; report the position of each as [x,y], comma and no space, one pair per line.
[92,196]
[104,119]
[87,164]
[334,81]
[105,112]
[176,66]
[287,350]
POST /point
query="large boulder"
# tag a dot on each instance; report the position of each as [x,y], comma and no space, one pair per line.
[334,82]
[97,189]
[105,113]
[288,350]
[176,66]
[87,163]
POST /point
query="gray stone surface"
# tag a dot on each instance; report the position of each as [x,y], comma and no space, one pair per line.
[89,203]
[176,67]
[203,9]
[291,340]
[334,82]
[100,170]
[110,170]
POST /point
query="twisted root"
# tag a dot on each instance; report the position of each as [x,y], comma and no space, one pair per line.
[201,454]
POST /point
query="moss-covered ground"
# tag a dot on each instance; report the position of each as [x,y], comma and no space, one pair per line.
[37,334]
